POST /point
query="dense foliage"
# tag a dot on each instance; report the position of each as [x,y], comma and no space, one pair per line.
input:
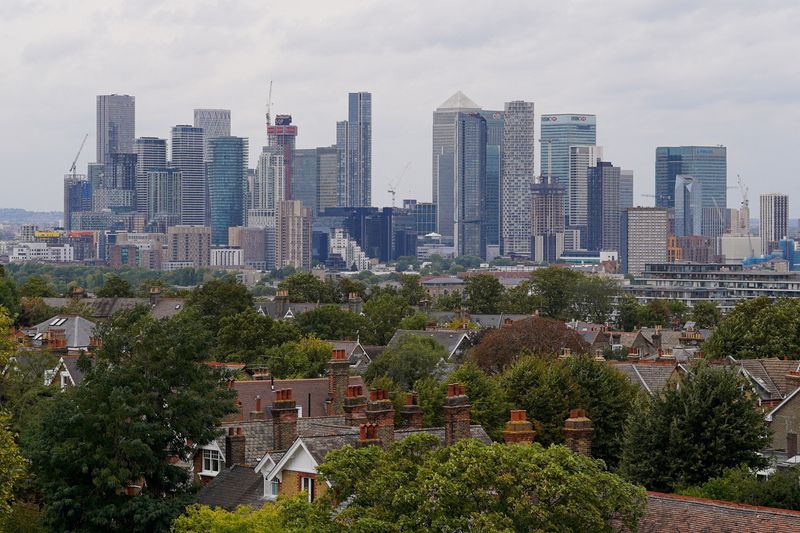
[412,359]
[741,485]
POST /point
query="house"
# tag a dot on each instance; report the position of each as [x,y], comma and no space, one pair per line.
[456,342]
[437,286]
[65,374]
[486,321]
[355,353]
[64,333]
[772,379]
[784,420]
[651,376]
[103,308]
[631,342]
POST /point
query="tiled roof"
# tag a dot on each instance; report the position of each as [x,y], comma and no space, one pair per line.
[71,364]
[77,330]
[682,514]
[494,321]
[105,307]
[450,339]
[651,377]
[310,394]
[238,485]
[770,374]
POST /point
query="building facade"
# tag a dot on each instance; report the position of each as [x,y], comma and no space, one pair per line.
[187,156]
[643,238]
[519,148]
[77,197]
[151,152]
[354,150]
[116,125]
[547,221]
[282,136]
[625,189]
[305,177]
[603,213]
[164,198]
[774,224]
[470,185]
[688,206]
[560,131]
[293,235]
[581,157]
[214,123]
[227,179]
[189,244]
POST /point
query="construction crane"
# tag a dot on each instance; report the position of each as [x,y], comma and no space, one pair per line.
[393,186]
[73,166]
[269,104]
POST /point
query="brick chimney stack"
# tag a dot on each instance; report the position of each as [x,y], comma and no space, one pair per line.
[235,447]
[657,338]
[354,303]
[578,432]
[368,435]
[411,412]
[456,414]
[355,406]
[258,414]
[338,379]
[155,295]
[380,411]
[282,301]
[518,430]
[284,419]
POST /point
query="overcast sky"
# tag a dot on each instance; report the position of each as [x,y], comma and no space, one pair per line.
[654,72]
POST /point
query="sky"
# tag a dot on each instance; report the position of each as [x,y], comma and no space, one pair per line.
[656,73]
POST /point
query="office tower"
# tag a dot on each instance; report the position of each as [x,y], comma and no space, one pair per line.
[163,197]
[282,135]
[603,207]
[328,178]
[123,172]
[519,143]
[253,242]
[151,153]
[706,164]
[96,175]
[643,237]
[359,126]
[227,180]
[580,159]
[444,153]
[116,125]
[293,235]
[77,197]
[625,190]
[265,188]
[561,132]
[547,220]
[688,206]
[305,177]
[774,224]
[187,156]
[214,123]
[495,125]
[469,235]
[189,244]
[425,215]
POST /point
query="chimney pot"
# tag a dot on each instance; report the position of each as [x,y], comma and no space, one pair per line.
[518,430]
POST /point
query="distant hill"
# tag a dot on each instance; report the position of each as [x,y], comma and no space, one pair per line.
[23,216]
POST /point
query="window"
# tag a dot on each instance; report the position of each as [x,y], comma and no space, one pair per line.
[211,462]
[275,487]
[307,486]
[65,380]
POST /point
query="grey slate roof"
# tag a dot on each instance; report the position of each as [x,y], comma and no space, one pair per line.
[105,307]
[77,329]
[651,378]
[450,339]
[770,374]
[238,485]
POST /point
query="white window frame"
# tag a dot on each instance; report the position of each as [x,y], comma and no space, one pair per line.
[66,381]
[210,457]
[309,486]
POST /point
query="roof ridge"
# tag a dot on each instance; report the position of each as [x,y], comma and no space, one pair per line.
[724,503]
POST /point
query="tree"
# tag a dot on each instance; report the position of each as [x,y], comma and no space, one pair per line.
[245,336]
[758,328]
[542,337]
[304,358]
[12,465]
[411,289]
[520,299]
[115,287]
[742,485]
[687,436]
[306,287]
[331,323]
[284,516]
[556,287]
[655,313]
[416,485]
[412,359]
[416,321]
[489,406]
[34,311]
[705,314]
[596,298]
[346,286]
[484,294]
[36,286]
[147,397]
[384,314]
[628,312]
[9,299]
[449,302]
[219,298]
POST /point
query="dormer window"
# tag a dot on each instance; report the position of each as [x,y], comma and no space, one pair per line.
[212,461]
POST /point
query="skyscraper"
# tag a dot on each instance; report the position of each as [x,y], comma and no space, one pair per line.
[305,177]
[327,178]
[265,190]
[643,238]
[227,178]
[495,126]
[214,123]
[581,157]
[151,153]
[293,235]
[77,197]
[688,206]
[187,155]
[603,207]
[470,185]
[163,197]
[625,190]
[706,164]
[547,220]
[561,132]
[116,125]
[774,224]
[282,135]
[359,125]
[519,146]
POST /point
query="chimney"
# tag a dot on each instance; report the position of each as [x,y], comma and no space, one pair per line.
[456,414]
[354,303]
[235,447]
[355,406]
[258,414]
[338,379]
[633,354]
[282,301]
[508,321]
[791,444]
[578,432]
[657,338]
[284,420]
[411,412]
[518,430]
[155,294]
[792,380]
[380,411]
[368,435]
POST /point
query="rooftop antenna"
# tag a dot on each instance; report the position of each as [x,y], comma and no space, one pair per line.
[269,104]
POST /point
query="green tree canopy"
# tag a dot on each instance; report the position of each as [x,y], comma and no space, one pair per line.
[484,294]
[520,299]
[416,321]
[742,485]
[219,298]
[411,289]
[34,311]
[36,286]
[12,465]
[247,335]
[566,295]
[332,323]
[416,485]
[687,436]
[628,313]
[114,287]
[306,287]
[304,358]
[412,359]
[384,313]
[706,314]
[9,299]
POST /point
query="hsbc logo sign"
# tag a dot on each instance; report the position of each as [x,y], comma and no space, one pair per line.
[549,119]
[578,119]
[572,118]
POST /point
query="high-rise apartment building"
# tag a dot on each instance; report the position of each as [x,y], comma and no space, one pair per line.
[469,235]
[603,207]
[688,206]
[282,136]
[95,172]
[774,224]
[189,244]
[253,242]
[305,177]
[354,145]
[547,220]
[294,235]
[227,180]
[560,132]
[116,125]
[643,238]
[581,157]
[327,178]
[187,156]
[123,172]
[77,197]
[214,123]
[163,197]
[151,153]
[519,147]
[625,189]
[706,164]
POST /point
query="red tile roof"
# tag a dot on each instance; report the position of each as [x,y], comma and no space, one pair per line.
[306,392]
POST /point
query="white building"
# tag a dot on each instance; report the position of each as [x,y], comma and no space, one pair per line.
[350,252]
[227,257]
[643,239]
[519,143]
[580,159]
[40,251]
[774,224]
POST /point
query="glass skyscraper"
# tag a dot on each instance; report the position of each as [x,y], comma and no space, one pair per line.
[470,181]
[354,146]
[215,123]
[187,155]
[706,164]
[151,153]
[494,167]
[603,207]
[116,125]
[688,206]
[227,178]
[305,178]
[560,132]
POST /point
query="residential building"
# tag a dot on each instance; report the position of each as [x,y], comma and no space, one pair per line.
[187,156]
[603,207]
[625,189]
[561,131]
[189,245]
[41,252]
[214,123]
[692,249]
[547,220]
[282,137]
[327,178]
[688,206]
[163,197]
[227,257]
[116,126]
[774,224]
[581,157]
[95,172]
[123,171]
[227,179]
[151,152]
[305,177]
[519,147]
[293,235]
[266,188]
[77,197]
[347,251]
[424,213]
[253,242]
[643,238]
